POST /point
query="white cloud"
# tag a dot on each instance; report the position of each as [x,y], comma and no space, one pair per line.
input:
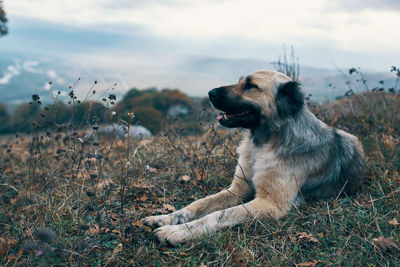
[367,29]
[347,33]
[17,67]
[6,78]
[47,86]
[356,5]
[30,66]
[12,70]
[52,74]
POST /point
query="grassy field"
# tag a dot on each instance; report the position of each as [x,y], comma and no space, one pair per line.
[72,198]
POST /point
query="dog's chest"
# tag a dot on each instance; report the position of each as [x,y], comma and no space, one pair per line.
[264,159]
[257,159]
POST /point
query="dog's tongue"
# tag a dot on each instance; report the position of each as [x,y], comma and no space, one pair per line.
[220,116]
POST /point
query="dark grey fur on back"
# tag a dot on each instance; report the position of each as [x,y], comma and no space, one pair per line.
[335,166]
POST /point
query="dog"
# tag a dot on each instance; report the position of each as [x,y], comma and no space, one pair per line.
[286,157]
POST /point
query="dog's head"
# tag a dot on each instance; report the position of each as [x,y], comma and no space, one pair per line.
[257,98]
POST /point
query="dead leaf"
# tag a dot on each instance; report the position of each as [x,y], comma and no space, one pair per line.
[104,183]
[104,230]
[385,243]
[3,247]
[12,242]
[312,264]
[388,141]
[138,223]
[305,237]
[185,178]
[114,216]
[143,198]
[94,230]
[12,257]
[237,256]
[169,207]
[394,222]
[6,244]
[200,174]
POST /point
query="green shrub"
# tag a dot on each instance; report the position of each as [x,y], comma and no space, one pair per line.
[148,117]
[24,115]
[4,120]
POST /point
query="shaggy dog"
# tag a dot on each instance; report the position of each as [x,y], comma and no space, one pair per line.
[286,157]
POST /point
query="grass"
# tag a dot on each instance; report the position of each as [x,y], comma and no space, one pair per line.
[73,198]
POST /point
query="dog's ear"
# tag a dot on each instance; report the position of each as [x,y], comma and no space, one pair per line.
[289,99]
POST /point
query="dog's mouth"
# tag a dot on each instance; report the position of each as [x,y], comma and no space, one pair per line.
[246,119]
[234,110]
[226,116]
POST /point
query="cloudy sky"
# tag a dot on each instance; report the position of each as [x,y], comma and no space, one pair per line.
[159,42]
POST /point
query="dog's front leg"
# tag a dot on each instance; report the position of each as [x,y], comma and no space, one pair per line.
[238,192]
[258,208]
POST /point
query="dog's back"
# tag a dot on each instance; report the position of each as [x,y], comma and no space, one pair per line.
[342,169]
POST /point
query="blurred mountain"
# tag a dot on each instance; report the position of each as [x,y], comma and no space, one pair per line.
[322,84]
[22,76]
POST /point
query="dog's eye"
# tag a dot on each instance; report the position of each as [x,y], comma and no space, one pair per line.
[249,86]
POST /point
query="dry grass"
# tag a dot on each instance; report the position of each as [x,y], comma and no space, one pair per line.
[72,199]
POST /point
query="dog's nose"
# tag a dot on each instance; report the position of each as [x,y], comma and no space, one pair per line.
[213,94]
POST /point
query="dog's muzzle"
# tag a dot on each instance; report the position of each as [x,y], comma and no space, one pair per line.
[216,94]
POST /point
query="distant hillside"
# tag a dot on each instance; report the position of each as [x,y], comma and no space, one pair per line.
[22,76]
[323,84]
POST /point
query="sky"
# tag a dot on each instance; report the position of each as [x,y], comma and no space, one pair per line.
[164,43]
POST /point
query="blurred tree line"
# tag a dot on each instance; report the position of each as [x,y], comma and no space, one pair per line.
[152,108]
[3,20]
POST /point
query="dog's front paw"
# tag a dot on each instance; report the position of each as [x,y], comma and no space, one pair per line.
[172,235]
[158,221]
[177,217]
